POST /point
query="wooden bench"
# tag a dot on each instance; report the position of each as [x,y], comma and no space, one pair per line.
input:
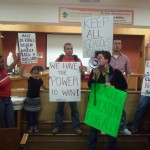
[10,139]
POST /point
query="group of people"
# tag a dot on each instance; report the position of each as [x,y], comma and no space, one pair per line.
[117,64]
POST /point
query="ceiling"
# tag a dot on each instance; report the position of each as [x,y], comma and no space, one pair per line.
[103,3]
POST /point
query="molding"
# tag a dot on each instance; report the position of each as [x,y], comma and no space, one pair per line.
[69,29]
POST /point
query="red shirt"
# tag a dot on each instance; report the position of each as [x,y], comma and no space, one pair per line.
[5,84]
[70,59]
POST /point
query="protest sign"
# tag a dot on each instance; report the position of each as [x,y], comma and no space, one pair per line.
[146,80]
[27,47]
[105,108]
[65,81]
[97,34]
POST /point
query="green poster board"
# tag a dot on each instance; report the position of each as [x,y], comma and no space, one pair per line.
[104,110]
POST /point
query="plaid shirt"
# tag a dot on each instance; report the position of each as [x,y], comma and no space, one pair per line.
[122,63]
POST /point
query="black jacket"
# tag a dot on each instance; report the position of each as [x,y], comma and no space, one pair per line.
[117,79]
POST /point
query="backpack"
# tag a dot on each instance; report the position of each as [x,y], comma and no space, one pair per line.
[62,55]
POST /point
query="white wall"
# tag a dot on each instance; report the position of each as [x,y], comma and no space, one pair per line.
[28,13]
[25,13]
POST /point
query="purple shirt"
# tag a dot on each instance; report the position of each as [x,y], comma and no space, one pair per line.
[122,63]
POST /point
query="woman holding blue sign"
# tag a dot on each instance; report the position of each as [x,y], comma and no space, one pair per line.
[104,74]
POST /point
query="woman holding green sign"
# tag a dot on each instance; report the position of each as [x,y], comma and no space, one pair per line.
[108,76]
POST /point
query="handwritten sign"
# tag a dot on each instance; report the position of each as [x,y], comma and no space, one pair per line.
[106,114]
[146,80]
[97,34]
[27,46]
[65,81]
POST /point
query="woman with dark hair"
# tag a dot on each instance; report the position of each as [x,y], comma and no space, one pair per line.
[106,75]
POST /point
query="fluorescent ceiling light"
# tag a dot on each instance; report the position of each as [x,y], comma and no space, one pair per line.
[89,0]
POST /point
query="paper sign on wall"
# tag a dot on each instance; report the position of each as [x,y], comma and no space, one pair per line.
[65,81]
[27,47]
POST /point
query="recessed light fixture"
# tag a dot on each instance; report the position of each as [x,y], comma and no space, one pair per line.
[1,36]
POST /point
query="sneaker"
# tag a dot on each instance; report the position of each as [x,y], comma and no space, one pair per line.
[103,133]
[56,130]
[126,132]
[35,129]
[30,130]
[77,130]
[134,130]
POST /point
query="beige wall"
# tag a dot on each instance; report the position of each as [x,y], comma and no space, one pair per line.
[49,108]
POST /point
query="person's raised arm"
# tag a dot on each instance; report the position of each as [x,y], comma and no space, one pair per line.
[44,87]
[21,72]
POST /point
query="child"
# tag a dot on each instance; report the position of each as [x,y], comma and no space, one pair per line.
[32,102]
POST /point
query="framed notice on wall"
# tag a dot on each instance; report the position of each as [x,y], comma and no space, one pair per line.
[74,15]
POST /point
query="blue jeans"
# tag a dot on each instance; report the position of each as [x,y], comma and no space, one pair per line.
[74,114]
[123,121]
[33,118]
[92,140]
[144,103]
[7,112]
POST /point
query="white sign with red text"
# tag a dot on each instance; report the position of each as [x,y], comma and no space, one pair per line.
[27,47]
[146,80]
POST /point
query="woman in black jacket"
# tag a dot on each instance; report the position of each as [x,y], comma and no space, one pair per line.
[106,75]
